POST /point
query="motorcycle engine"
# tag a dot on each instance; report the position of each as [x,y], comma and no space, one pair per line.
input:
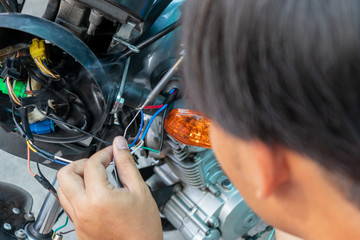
[116,60]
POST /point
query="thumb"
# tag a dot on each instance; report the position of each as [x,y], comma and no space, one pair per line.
[128,173]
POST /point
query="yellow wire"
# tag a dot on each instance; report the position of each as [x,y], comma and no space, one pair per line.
[11,92]
[44,69]
[30,146]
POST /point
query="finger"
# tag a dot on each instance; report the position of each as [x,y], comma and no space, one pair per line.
[71,181]
[128,173]
[95,175]
[66,204]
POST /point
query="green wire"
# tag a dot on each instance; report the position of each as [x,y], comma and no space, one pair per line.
[66,222]
[271,234]
[150,149]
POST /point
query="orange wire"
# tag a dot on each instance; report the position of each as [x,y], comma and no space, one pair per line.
[28,161]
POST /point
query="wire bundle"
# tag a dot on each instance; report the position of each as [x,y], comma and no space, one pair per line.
[44,69]
[12,94]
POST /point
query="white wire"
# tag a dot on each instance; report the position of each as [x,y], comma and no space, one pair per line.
[131,122]
[62,159]
[137,148]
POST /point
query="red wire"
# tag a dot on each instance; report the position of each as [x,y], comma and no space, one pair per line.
[154,107]
[28,161]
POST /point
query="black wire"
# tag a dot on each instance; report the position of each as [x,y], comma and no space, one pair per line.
[168,100]
[72,126]
[163,130]
[63,233]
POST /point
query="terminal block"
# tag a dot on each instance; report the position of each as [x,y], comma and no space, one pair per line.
[18,87]
[11,67]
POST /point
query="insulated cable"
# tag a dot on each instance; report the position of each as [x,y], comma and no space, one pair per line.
[12,95]
[153,107]
[28,162]
[72,126]
[141,126]
[151,121]
[61,227]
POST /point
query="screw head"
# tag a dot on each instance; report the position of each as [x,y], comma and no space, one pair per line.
[16,211]
[29,216]
[7,226]
[20,234]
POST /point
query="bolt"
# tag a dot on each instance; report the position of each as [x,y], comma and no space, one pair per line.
[7,226]
[215,223]
[16,210]
[226,184]
[29,216]
[20,234]
[177,188]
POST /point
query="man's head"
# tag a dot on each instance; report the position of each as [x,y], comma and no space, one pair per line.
[281,80]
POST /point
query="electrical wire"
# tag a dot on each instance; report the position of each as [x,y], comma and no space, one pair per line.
[141,126]
[153,107]
[44,69]
[12,95]
[151,121]
[61,227]
[152,150]
[72,126]
[28,161]
[163,130]
[63,233]
[271,234]
[137,147]
[126,129]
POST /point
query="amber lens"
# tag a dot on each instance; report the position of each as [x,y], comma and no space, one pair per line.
[189,127]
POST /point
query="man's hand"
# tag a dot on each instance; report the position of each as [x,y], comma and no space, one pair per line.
[101,211]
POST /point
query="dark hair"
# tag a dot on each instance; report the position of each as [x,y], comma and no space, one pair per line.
[282,71]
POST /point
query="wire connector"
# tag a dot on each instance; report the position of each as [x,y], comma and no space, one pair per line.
[11,68]
[38,49]
[45,183]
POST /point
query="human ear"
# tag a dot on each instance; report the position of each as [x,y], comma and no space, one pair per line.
[271,166]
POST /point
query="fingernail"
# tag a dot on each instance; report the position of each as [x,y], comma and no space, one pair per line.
[121,143]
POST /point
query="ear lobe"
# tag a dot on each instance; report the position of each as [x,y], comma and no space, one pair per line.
[271,166]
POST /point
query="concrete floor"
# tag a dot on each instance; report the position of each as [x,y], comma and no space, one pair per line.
[14,169]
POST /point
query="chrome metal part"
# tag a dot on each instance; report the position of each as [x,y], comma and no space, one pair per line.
[95,19]
[7,226]
[166,175]
[58,237]
[20,234]
[48,213]
[119,101]
[126,44]
[200,215]
[208,205]
[16,211]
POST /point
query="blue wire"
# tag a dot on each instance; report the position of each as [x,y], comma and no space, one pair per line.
[60,162]
[151,121]
[172,91]
[141,126]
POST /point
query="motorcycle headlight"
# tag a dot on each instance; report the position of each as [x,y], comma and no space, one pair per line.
[189,127]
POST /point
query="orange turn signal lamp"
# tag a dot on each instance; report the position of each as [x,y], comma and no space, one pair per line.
[189,127]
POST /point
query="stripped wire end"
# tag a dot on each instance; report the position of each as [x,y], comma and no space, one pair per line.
[137,147]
